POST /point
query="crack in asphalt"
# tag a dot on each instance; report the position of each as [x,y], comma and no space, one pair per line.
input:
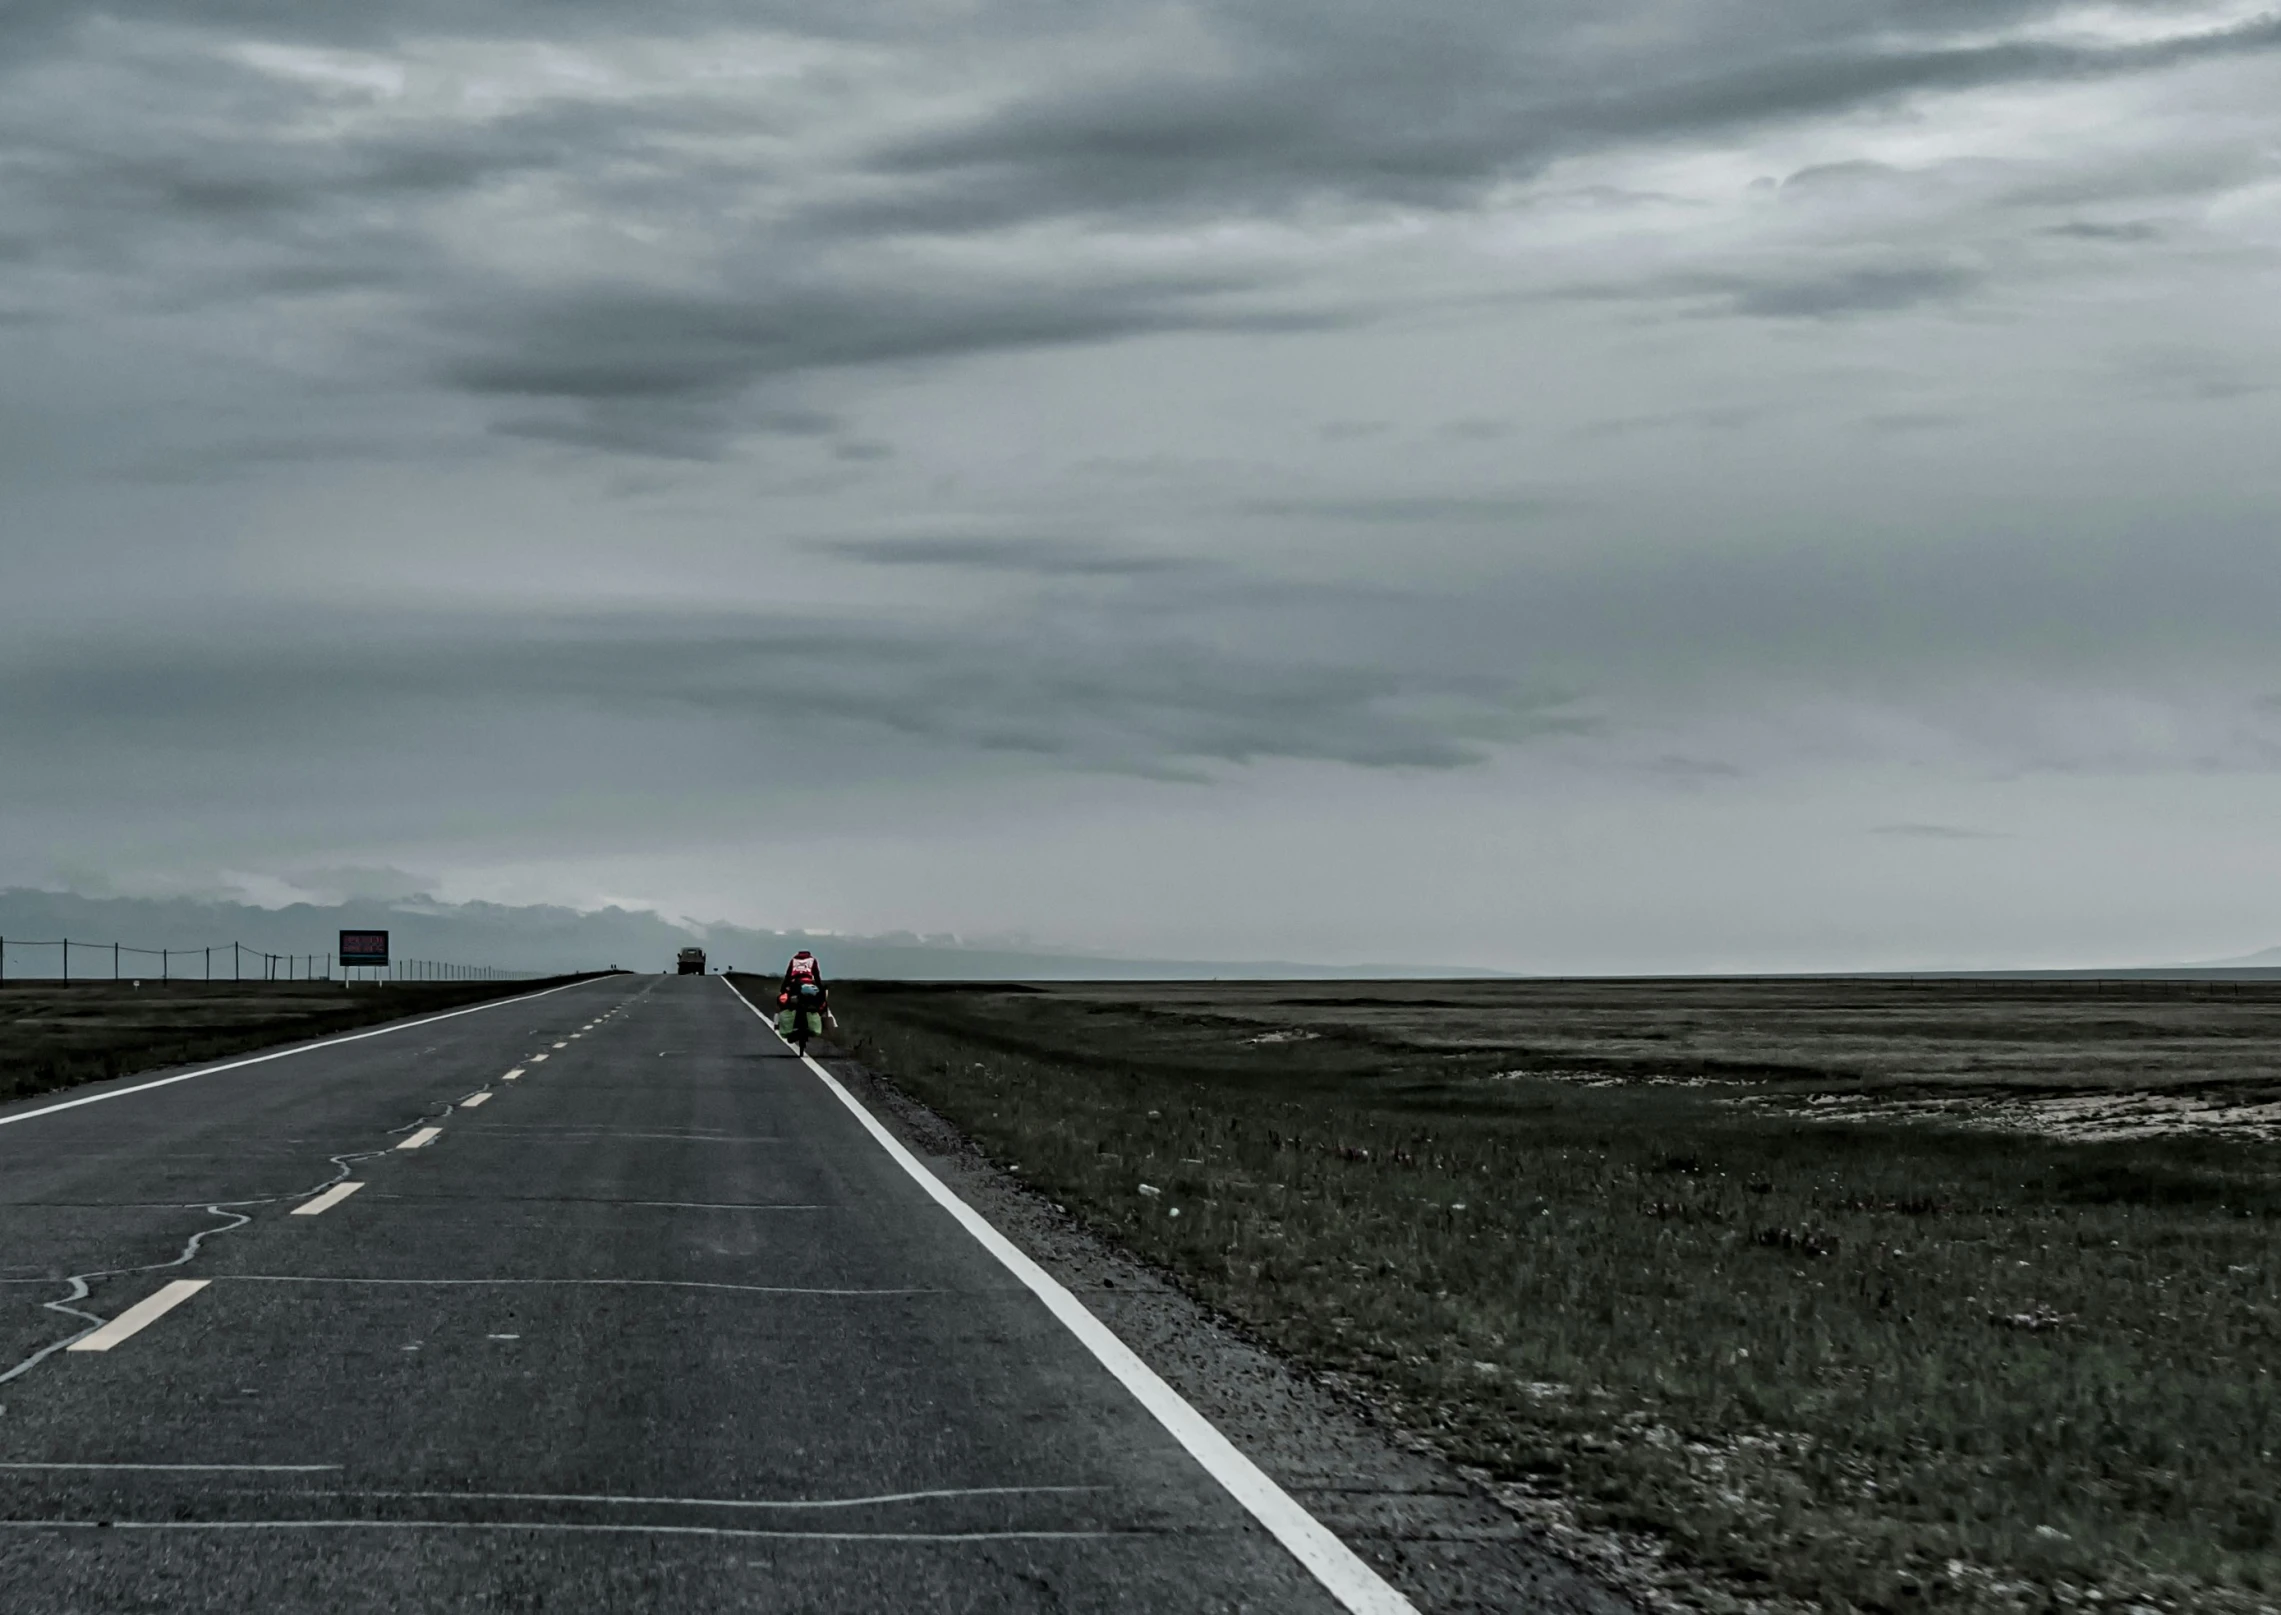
[79,1285]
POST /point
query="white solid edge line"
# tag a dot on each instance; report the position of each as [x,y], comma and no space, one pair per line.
[279,1054]
[1342,1571]
[421,1139]
[140,1316]
[326,1201]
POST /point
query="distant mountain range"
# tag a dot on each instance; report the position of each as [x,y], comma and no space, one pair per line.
[2264,959]
[544,940]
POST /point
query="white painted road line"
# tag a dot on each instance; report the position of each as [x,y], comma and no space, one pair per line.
[326,1201]
[568,1528]
[562,1045]
[1338,1567]
[474,1099]
[512,1075]
[536,1058]
[140,1316]
[195,1469]
[279,1054]
[421,1139]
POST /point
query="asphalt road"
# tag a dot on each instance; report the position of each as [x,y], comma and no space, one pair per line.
[655,1325]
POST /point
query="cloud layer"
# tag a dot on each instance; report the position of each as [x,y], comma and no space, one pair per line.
[1158,397]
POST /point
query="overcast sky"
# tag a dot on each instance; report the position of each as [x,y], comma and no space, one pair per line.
[1630,485]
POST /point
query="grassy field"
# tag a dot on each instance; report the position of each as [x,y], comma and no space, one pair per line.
[54,1034]
[1594,1239]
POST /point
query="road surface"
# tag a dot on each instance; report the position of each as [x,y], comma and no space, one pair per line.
[655,1324]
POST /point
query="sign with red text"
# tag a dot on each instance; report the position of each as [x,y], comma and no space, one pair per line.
[364,948]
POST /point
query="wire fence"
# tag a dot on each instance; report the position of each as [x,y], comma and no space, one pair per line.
[224,961]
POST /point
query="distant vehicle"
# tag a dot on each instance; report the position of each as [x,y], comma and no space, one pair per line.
[690,962]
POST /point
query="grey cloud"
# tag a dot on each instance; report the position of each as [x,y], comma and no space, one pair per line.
[2091,230]
[1463,509]
[349,881]
[1840,176]
[1136,691]
[1876,289]
[1780,292]
[1936,832]
[1912,420]
[622,355]
[660,428]
[2203,376]
[1717,417]
[1041,557]
[205,177]
[1307,101]
[1676,766]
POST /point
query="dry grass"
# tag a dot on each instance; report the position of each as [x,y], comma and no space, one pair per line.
[54,1034]
[1873,1367]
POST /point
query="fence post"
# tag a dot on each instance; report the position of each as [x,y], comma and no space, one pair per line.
[165,958]
[234,961]
[67,958]
[209,964]
[114,961]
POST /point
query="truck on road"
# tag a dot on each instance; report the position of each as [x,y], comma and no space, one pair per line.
[690,962]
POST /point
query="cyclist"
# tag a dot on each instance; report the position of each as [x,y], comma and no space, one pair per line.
[803,1002]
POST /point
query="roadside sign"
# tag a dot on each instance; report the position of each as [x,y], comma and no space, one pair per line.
[364,948]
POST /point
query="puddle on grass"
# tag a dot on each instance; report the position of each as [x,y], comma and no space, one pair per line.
[2089,1117]
[2081,1117]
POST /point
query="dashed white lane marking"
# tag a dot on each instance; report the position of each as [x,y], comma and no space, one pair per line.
[326,1201]
[474,1099]
[279,1054]
[1342,1571]
[512,1075]
[536,1058]
[562,1045]
[140,1316]
[421,1139]
[195,1469]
